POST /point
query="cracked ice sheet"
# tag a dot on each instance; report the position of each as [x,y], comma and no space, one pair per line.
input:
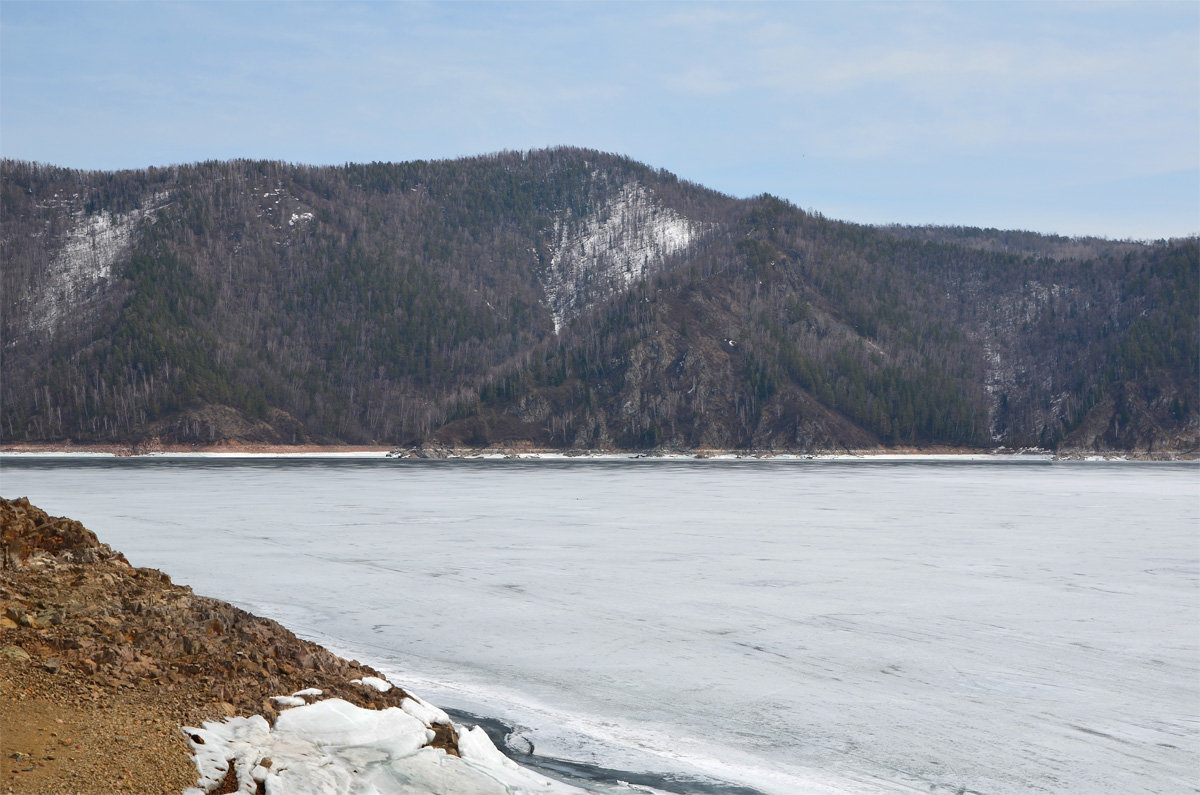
[335,748]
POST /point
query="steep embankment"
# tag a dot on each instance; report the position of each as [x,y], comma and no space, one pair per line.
[102,663]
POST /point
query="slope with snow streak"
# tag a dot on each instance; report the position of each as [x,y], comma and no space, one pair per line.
[81,269]
[611,250]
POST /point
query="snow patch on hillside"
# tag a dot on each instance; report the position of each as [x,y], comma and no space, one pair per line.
[82,268]
[612,249]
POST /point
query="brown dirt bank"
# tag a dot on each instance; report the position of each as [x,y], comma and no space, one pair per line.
[101,664]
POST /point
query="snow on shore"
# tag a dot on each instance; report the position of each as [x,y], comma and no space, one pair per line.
[333,747]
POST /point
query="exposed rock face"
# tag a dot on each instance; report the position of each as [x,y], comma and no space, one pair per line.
[1131,418]
[26,531]
[71,605]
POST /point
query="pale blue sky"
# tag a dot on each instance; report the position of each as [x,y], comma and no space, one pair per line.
[1077,118]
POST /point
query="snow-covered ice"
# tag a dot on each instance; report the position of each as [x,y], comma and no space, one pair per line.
[428,713]
[332,747]
[790,626]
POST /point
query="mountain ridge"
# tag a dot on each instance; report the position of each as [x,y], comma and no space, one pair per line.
[569,299]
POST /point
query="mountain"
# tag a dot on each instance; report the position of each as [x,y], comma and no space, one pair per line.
[567,298]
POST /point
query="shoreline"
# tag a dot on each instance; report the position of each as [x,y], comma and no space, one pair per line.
[114,678]
[522,453]
[105,668]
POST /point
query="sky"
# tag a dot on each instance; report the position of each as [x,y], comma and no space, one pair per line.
[1070,118]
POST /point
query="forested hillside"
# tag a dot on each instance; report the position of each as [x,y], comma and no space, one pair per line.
[570,299]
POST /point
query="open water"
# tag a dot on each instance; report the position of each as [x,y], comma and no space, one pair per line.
[771,626]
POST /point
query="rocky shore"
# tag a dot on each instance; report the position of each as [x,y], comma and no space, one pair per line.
[102,663]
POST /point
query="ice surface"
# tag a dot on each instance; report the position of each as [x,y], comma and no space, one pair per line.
[477,750]
[791,626]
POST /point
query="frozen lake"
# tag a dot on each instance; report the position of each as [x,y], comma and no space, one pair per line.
[783,626]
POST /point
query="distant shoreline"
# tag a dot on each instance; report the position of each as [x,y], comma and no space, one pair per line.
[362,452]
